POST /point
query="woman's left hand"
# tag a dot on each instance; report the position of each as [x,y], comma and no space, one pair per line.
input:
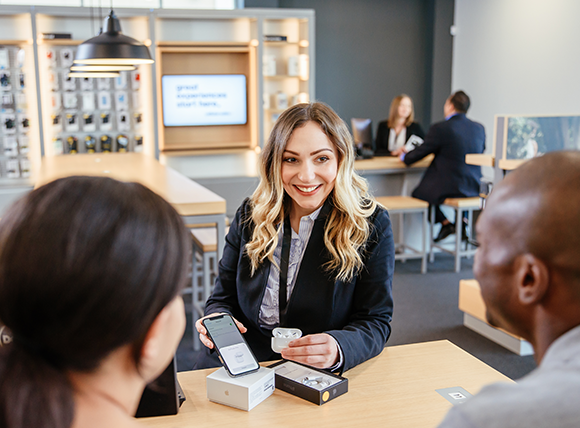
[398,152]
[316,350]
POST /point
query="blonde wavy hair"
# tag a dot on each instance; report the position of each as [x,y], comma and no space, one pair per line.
[347,227]
[394,112]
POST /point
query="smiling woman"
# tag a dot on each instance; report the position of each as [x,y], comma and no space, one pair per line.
[310,250]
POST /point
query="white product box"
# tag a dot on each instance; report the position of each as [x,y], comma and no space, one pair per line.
[269,65]
[281,101]
[243,392]
[293,65]
[303,66]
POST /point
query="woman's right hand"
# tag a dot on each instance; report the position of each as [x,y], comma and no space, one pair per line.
[203,332]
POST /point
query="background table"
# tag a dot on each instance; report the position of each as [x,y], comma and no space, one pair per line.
[395,389]
[193,202]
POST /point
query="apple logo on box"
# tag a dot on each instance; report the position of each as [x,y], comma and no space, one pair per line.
[227,392]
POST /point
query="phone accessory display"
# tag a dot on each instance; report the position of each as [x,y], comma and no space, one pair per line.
[23,123]
[66,57]
[106,144]
[121,101]
[10,146]
[4,59]
[51,57]
[23,144]
[57,146]
[55,101]
[88,101]
[104,84]
[14,118]
[121,81]
[87,84]
[56,123]
[68,83]
[138,148]
[104,100]
[122,143]
[73,144]
[7,101]
[102,110]
[8,123]
[12,168]
[53,81]
[5,81]
[90,144]
[24,167]
[135,80]
[70,100]
[72,122]
[123,122]
[89,124]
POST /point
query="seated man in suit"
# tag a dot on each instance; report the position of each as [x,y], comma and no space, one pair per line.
[449,176]
[528,266]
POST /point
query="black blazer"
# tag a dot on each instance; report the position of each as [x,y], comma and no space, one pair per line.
[356,313]
[382,141]
[449,176]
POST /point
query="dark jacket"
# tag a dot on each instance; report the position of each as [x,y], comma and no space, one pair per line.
[357,313]
[449,176]
[382,141]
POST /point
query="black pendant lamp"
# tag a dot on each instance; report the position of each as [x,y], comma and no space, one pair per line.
[111,47]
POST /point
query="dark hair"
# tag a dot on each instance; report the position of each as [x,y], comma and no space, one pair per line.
[86,265]
[460,101]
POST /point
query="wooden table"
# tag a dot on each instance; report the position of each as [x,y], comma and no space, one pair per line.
[395,389]
[193,202]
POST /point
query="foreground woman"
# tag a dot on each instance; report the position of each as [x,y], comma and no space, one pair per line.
[91,271]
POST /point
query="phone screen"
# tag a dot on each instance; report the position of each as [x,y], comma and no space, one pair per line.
[235,352]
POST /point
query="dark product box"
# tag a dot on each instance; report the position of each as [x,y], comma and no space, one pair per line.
[306,382]
[275,38]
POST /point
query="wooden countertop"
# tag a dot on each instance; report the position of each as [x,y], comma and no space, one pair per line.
[187,197]
[395,389]
[385,164]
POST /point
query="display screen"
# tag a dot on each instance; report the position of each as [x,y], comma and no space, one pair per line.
[231,346]
[201,100]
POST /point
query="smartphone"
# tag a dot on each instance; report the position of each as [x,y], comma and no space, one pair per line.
[234,352]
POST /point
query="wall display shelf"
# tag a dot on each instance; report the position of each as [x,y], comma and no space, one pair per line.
[88,115]
[61,112]
[19,142]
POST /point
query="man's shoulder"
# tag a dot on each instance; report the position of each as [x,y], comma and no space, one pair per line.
[536,399]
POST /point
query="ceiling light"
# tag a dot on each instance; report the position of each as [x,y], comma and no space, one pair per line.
[112,47]
[103,67]
[94,74]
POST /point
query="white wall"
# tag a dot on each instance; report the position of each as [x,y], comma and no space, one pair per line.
[517,57]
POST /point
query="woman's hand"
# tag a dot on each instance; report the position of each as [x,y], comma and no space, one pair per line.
[316,350]
[398,152]
[203,332]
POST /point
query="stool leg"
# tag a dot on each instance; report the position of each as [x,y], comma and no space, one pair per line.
[458,233]
[431,242]
[206,277]
[470,221]
[194,297]
[424,241]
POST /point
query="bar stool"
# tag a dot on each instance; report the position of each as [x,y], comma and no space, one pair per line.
[405,205]
[204,272]
[459,205]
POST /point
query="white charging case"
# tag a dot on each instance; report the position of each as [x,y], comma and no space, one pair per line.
[283,336]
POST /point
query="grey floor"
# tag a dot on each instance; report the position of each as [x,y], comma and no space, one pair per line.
[425,310]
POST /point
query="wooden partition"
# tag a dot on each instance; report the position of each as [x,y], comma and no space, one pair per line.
[208,58]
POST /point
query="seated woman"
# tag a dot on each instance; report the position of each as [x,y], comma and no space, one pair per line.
[393,133]
[91,271]
[340,258]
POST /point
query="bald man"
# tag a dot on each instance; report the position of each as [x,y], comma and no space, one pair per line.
[528,266]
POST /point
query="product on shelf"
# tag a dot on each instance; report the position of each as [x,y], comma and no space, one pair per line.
[57,146]
[90,143]
[106,144]
[122,143]
[73,144]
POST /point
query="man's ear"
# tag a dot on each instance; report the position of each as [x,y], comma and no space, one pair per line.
[533,278]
